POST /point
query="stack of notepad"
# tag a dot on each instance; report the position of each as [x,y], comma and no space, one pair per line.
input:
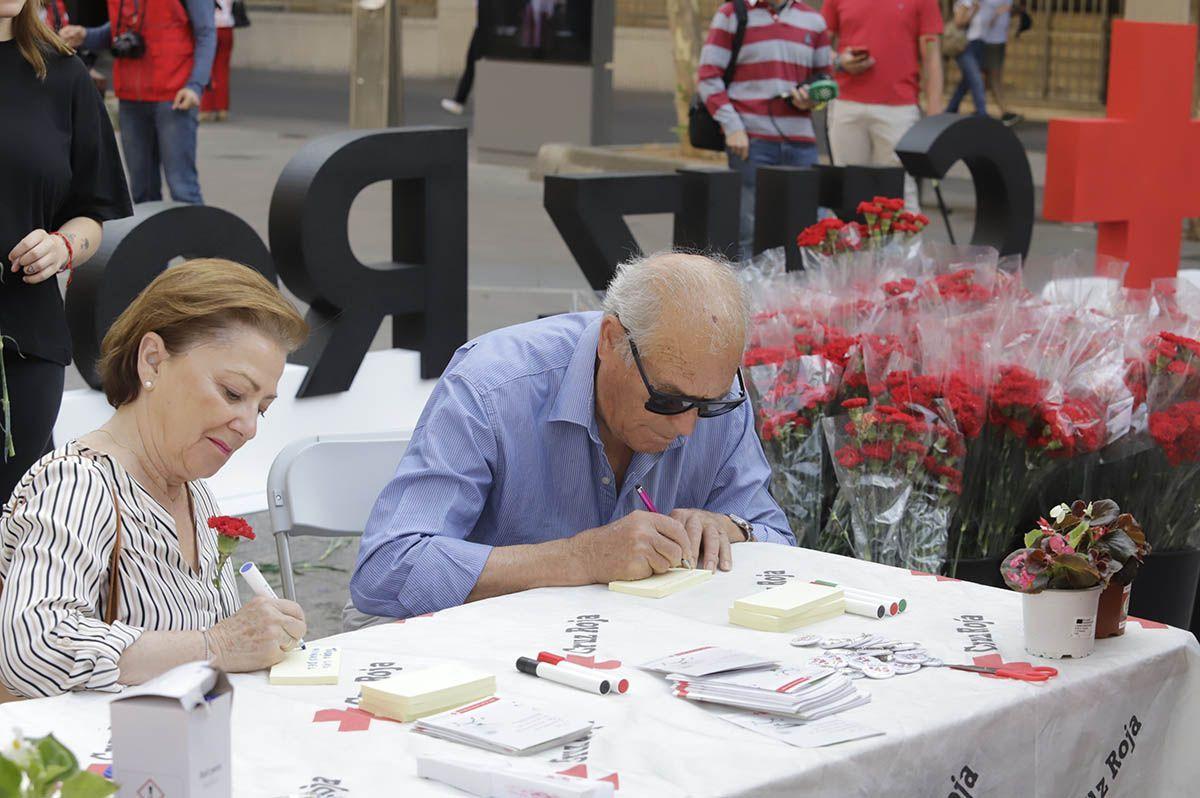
[781,609]
[504,726]
[312,665]
[806,693]
[414,694]
[664,584]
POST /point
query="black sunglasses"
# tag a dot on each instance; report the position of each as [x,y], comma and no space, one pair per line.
[667,404]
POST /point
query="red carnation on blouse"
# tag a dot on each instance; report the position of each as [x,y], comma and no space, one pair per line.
[231,527]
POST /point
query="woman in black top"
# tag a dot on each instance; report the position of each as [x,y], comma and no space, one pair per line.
[60,177]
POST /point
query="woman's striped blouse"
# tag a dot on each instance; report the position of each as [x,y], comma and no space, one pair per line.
[56,540]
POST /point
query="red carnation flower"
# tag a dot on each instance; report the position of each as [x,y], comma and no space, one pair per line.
[849,457]
[231,527]
[878,450]
[851,404]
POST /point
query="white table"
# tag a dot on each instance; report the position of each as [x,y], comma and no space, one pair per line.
[1018,739]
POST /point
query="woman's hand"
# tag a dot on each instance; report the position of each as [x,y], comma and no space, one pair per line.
[73,35]
[39,256]
[258,635]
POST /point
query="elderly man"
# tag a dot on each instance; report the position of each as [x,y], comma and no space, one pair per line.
[524,468]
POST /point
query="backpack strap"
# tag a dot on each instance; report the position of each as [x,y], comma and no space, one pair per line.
[739,36]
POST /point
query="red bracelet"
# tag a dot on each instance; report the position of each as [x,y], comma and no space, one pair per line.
[70,264]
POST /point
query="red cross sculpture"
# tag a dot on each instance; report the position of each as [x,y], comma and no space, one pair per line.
[1137,171]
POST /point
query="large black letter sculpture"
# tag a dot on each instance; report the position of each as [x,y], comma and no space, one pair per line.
[423,288]
[787,197]
[589,211]
[999,167]
[135,250]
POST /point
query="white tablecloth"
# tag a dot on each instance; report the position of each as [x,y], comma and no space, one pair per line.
[1006,738]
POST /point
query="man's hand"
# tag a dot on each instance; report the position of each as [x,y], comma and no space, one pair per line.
[714,532]
[738,143]
[185,100]
[637,546]
[73,35]
[855,61]
[800,98]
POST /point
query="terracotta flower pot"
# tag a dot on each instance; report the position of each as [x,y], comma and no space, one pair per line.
[1113,609]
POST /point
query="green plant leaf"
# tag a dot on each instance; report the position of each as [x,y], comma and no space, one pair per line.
[1073,572]
[1033,538]
[1076,534]
[10,779]
[56,757]
[87,785]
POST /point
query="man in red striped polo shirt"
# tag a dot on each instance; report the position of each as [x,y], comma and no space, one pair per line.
[764,114]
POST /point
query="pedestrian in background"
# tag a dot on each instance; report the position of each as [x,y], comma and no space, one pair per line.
[973,16]
[162,57]
[214,104]
[62,179]
[995,46]
[764,110]
[886,52]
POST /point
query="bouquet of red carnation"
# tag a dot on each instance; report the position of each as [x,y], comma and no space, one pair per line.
[230,532]
[895,468]
[793,368]
[1160,479]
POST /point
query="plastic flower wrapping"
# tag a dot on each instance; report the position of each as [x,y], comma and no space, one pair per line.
[920,406]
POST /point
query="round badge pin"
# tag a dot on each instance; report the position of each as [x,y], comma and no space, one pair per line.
[904,646]
[903,668]
[910,657]
[834,642]
[806,641]
[932,662]
[879,670]
[851,673]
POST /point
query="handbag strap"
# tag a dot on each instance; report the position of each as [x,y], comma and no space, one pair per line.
[739,36]
[114,570]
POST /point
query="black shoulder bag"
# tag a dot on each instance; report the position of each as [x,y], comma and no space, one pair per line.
[703,131]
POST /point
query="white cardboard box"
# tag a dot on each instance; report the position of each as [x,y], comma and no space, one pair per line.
[171,735]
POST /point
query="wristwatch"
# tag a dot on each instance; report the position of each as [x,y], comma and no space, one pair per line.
[744,525]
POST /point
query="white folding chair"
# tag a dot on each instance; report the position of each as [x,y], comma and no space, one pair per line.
[326,486]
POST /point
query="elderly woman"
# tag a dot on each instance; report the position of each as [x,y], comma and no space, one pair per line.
[106,556]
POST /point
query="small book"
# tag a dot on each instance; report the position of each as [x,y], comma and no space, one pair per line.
[664,584]
[504,726]
[770,623]
[312,665]
[414,694]
[790,600]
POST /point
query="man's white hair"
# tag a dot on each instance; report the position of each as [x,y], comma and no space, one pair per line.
[683,290]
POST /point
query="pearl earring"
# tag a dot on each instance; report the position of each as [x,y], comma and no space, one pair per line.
[148,384]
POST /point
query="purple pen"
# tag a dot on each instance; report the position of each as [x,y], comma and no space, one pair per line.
[645,497]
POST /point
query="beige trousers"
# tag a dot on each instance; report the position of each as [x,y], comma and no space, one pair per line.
[865,134]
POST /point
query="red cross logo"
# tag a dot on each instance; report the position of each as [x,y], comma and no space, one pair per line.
[581,772]
[939,577]
[1136,171]
[349,720]
[1147,624]
[997,661]
[590,662]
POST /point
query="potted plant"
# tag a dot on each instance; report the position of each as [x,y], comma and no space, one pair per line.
[44,768]
[1063,569]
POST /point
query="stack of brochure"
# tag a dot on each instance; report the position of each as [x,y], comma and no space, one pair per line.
[805,693]
[504,726]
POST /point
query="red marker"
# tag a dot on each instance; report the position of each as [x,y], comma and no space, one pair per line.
[622,684]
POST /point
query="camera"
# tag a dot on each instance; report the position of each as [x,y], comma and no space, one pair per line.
[128,44]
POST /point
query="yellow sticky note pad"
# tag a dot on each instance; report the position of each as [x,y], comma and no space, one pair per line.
[771,623]
[312,665]
[661,585]
[790,600]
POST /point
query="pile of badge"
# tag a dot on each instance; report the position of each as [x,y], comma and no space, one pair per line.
[868,655]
